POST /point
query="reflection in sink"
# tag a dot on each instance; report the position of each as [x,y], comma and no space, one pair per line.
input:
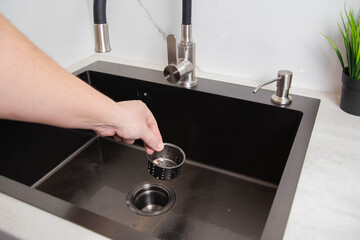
[244,160]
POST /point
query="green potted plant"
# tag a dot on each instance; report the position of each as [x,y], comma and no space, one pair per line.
[350,93]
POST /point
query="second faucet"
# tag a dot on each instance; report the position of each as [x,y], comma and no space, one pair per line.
[181,58]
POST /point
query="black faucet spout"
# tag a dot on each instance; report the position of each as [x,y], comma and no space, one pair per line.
[99,11]
[186,12]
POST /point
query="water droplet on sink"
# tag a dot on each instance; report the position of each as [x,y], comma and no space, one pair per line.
[134,225]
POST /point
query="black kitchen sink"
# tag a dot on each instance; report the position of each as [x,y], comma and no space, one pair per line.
[29,151]
[244,158]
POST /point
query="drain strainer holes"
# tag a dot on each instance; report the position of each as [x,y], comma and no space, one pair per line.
[150,199]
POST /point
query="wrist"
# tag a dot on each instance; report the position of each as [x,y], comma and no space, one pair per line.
[104,118]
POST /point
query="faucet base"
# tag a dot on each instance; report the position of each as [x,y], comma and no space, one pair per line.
[281,100]
[189,81]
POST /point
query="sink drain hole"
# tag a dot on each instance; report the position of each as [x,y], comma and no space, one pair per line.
[150,199]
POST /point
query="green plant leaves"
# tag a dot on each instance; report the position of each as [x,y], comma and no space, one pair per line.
[351,38]
[336,51]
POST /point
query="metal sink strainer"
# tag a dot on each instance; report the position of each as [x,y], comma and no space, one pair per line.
[166,165]
[150,199]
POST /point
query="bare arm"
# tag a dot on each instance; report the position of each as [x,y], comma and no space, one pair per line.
[34,88]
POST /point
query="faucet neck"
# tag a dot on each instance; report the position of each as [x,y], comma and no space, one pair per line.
[186,35]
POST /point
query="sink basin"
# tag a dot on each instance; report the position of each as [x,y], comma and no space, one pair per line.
[218,203]
[244,158]
[30,151]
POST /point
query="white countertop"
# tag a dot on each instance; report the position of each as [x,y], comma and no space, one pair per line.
[327,200]
[326,204]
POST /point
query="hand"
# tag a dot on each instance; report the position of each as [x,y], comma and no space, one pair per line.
[133,120]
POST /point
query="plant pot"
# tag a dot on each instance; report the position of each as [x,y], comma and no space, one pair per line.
[350,95]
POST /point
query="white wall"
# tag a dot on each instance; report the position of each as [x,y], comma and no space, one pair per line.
[249,39]
[60,28]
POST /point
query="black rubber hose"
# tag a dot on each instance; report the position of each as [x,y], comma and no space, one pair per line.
[186,12]
[99,11]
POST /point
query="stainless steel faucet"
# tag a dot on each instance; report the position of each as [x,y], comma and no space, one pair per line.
[181,69]
[101,29]
[283,84]
[181,65]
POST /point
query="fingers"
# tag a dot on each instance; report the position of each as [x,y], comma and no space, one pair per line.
[128,141]
[152,124]
[149,150]
[152,141]
[120,139]
[152,138]
[117,138]
[135,121]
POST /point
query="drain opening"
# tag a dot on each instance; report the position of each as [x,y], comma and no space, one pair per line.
[150,199]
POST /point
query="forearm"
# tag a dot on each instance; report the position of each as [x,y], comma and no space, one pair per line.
[34,88]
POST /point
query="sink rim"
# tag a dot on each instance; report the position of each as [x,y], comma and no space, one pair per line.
[280,210]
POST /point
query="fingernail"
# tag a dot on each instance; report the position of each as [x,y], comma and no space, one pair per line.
[160,146]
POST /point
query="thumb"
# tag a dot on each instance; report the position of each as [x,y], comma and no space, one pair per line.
[152,141]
